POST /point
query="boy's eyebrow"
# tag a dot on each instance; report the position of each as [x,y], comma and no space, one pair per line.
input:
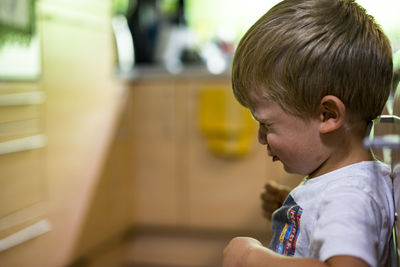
[254,117]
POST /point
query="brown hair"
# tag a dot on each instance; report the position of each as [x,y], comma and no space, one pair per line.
[300,51]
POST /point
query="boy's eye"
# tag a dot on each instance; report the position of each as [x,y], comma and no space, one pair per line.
[264,126]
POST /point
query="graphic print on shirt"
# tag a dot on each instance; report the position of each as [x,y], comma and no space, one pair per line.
[286,227]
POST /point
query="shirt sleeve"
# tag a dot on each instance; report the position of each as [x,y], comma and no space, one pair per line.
[348,223]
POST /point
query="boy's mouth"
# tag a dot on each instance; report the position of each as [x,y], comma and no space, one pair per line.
[274,157]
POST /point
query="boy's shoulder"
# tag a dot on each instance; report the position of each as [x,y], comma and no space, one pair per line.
[362,170]
[371,177]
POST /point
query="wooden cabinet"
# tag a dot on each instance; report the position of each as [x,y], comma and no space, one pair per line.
[83,180]
[179,181]
[189,200]
[23,186]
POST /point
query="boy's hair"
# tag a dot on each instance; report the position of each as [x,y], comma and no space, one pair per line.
[302,50]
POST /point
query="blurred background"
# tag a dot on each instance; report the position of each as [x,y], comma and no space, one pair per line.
[121,143]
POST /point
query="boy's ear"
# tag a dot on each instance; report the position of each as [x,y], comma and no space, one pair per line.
[332,113]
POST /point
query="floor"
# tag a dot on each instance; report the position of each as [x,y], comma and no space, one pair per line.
[167,248]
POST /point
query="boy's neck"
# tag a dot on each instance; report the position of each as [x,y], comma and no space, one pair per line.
[347,150]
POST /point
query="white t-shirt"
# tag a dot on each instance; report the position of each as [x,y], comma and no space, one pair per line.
[348,211]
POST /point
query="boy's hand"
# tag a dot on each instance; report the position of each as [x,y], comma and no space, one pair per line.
[237,251]
[273,197]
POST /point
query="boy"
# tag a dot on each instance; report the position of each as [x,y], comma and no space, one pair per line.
[314,74]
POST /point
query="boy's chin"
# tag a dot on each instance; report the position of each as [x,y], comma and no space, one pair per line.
[288,169]
[292,170]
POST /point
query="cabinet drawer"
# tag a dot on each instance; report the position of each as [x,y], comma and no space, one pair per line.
[19,129]
[19,113]
[21,180]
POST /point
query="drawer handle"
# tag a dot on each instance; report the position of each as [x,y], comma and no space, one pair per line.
[22,99]
[22,144]
[30,232]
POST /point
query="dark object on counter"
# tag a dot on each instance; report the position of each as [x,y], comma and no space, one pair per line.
[144,24]
[191,57]
[179,18]
[146,21]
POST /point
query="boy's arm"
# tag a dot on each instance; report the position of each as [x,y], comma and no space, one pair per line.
[249,252]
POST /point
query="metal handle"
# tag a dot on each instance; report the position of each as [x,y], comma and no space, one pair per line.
[22,144]
[22,99]
[30,232]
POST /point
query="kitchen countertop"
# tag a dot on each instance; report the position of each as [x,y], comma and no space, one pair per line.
[150,72]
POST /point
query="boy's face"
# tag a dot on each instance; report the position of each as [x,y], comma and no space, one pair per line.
[289,139]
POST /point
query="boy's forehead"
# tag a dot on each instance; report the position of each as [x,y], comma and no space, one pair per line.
[258,97]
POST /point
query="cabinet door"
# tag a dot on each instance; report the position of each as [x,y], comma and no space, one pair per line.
[155,154]
[22,182]
[179,180]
